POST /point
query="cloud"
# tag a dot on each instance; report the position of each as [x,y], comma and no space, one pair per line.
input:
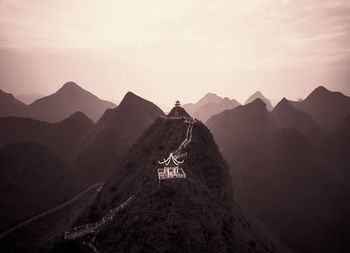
[243,34]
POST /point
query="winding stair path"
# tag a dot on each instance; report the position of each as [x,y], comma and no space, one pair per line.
[188,137]
[94,228]
[80,231]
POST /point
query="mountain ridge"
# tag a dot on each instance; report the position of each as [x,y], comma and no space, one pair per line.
[209,105]
[267,160]
[55,107]
[328,108]
[256,95]
[9,105]
[286,115]
[67,100]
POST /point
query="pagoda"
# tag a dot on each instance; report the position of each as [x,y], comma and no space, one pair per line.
[171,168]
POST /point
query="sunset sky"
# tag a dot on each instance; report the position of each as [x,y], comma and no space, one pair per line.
[166,50]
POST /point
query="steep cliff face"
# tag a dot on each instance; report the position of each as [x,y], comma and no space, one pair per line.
[196,214]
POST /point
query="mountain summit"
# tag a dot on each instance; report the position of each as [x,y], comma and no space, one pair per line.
[195,213]
[9,105]
[70,86]
[209,98]
[256,95]
[328,108]
[178,111]
[69,99]
[9,99]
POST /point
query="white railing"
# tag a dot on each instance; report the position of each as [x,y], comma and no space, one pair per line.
[163,175]
[90,228]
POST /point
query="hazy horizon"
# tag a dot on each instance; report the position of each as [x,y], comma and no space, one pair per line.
[167,50]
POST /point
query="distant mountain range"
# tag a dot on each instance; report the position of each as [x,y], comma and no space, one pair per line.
[328,108]
[287,169]
[209,105]
[285,166]
[56,107]
[212,104]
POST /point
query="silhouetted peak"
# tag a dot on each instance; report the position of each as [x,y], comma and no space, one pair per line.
[70,85]
[8,98]
[178,111]
[323,93]
[328,108]
[132,103]
[209,98]
[257,93]
[321,88]
[283,102]
[131,98]
[70,88]
[283,105]
[320,91]
[130,94]
[258,104]
[78,117]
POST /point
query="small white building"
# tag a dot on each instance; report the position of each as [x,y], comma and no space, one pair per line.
[171,168]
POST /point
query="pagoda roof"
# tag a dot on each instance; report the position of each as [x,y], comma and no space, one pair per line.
[171,161]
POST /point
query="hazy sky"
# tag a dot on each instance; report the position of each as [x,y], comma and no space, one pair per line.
[165,50]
